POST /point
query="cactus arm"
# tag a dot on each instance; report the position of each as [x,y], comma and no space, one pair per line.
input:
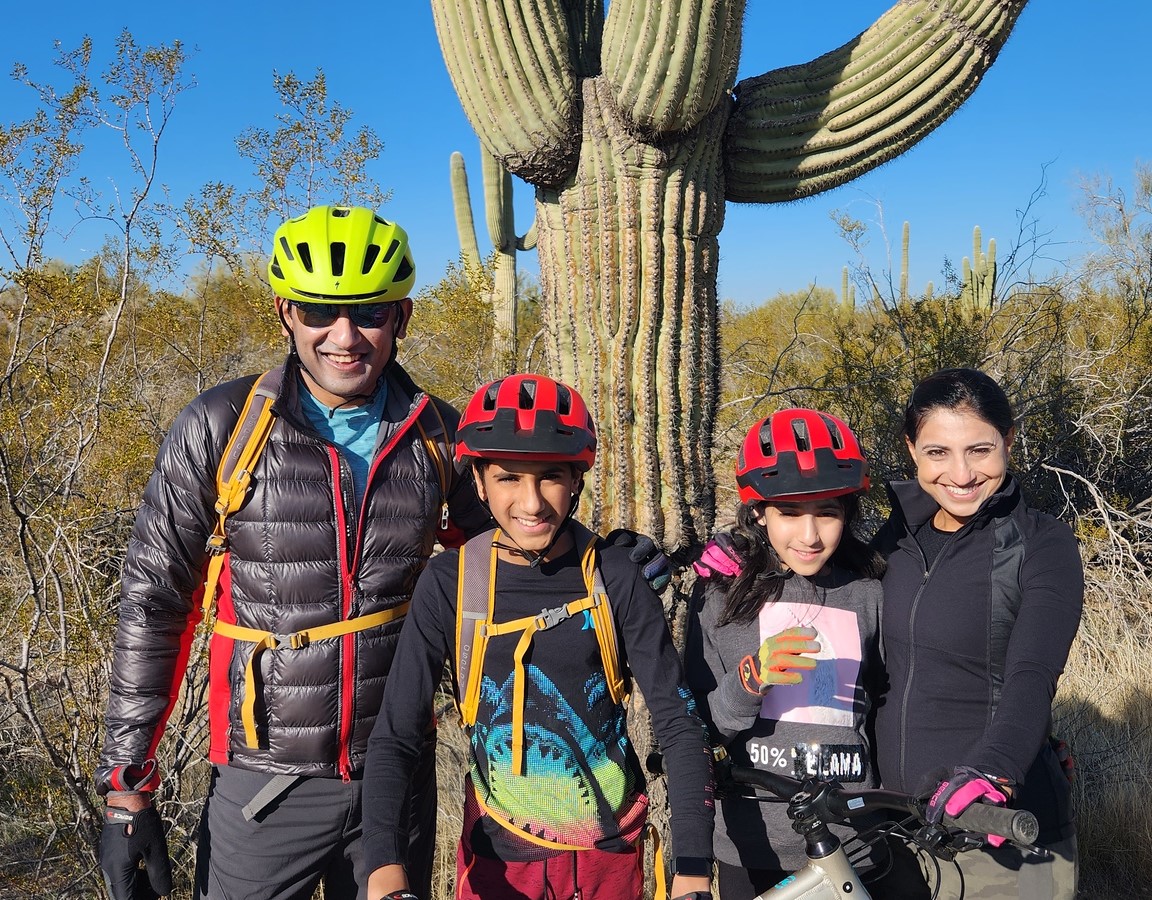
[498,202]
[510,65]
[670,64]
[805,129]
[462,206]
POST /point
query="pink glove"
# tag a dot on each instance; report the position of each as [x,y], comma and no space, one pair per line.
[965,787]
[720,557]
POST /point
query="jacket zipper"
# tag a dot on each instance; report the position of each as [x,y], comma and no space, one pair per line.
[928,570]
[348,570]
[347,641]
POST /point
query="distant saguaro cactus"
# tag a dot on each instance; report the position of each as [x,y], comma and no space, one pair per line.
[634,135]
[978,275]
[498,215]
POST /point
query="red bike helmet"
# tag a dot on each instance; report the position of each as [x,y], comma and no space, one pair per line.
[527,417]
[800,454]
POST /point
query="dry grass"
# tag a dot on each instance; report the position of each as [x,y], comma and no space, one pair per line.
[1104,711]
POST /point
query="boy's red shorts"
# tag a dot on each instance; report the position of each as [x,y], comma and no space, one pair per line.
[598,876]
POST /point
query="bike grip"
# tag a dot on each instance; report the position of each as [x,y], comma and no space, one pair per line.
[1017,825]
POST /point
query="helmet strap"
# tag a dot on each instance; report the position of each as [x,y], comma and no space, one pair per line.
[534,559]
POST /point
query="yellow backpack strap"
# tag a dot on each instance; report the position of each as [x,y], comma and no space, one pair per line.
[528,626]
[436,453]
[234,474]
[475,590]
[297,640]
[652,834]
[602,619]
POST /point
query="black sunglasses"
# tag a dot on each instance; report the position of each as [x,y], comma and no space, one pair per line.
[363,315]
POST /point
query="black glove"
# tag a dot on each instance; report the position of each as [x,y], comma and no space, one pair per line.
[126,839]
[646,554]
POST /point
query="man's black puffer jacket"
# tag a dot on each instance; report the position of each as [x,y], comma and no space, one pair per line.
[300,556]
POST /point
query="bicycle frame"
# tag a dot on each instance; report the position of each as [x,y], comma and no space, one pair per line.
[813,804]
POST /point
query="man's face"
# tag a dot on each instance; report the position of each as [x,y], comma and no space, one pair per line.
[342,360]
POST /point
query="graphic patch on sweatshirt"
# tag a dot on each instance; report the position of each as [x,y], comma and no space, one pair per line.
[827,694]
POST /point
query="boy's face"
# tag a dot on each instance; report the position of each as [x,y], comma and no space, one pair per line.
[530,501]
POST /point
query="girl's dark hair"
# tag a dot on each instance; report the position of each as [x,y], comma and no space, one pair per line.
[953,388]
[762,578]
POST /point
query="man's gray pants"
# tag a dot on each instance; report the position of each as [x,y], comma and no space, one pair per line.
[299,833]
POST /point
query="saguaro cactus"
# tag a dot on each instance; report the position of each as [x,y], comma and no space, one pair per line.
[630,128]
[498,215]
[978,275]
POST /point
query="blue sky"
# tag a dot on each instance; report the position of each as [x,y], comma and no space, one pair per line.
[1069,95]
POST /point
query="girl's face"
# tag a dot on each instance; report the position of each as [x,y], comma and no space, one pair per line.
[805,533]
[961,460]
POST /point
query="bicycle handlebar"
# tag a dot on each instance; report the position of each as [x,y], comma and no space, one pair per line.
[832,804]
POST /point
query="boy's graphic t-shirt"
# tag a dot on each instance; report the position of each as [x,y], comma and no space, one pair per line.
[581,784]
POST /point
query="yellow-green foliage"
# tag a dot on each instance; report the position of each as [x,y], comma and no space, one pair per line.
[451,345]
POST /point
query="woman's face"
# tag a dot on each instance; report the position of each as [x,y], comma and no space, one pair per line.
[961,460]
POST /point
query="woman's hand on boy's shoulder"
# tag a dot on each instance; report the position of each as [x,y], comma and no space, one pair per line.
[643,552]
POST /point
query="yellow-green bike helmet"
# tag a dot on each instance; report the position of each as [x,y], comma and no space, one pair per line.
[341,254]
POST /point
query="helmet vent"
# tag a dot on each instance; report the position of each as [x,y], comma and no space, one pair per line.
[337,250]
[803,439]
[490,396]
[834,434]
[370,258]
[766,438]
[305,256]
[392,248]
[563,400]
[287,248]
[404,270]
[527,394]
[340,212]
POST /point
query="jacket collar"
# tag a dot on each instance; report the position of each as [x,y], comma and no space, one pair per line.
[402,390]
[917,507]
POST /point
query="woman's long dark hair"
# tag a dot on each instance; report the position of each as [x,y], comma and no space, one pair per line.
[761,580]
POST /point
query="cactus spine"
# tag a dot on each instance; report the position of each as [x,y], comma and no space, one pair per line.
[634,135]
[502,233]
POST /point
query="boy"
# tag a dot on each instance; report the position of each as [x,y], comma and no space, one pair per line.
[555,800]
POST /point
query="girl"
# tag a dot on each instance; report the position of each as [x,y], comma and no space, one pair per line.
[782,654]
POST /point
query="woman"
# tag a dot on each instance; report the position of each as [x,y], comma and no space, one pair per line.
[982,599]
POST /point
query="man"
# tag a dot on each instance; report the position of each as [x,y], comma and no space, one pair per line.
[347,498]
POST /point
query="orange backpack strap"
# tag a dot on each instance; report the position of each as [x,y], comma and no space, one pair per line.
[436,443]
[605,624]
[234,475]
[475,604]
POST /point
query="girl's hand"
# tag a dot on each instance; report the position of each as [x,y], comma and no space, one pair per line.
[779,660]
